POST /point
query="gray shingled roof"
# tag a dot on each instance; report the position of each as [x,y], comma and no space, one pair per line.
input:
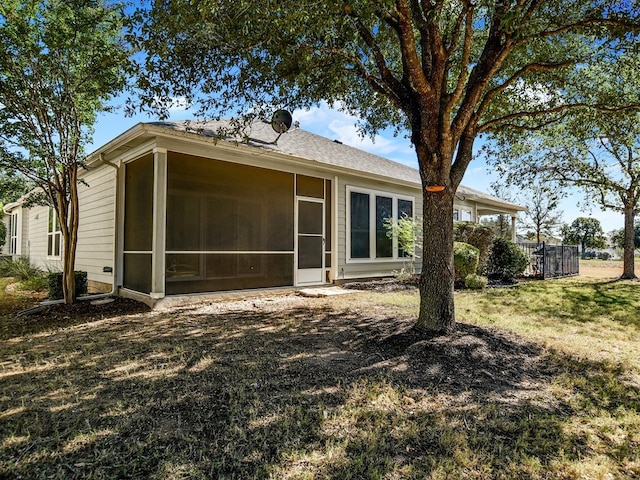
[303,144]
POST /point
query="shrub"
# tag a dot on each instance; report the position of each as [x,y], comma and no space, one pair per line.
[506,261]
[480,236]
[34,284]
[21,269]
[465,260]
[55,284]
[475,282]
[408,232]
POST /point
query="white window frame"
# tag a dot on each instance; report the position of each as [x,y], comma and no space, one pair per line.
[14,233]
[53,230]
[372,223]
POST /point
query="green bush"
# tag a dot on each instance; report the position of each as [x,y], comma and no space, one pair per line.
[34,284]
[506,261]
[480,236]
[475,282]
[465,260]
[21,269]
[55,284]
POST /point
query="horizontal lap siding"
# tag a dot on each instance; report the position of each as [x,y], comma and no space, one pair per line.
[96,239]
[367,269]
[36,238]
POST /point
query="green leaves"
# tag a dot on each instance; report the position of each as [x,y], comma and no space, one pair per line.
[586,232]
[60,62]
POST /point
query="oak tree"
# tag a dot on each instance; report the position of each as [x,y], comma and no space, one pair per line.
[586,232]
[443,70]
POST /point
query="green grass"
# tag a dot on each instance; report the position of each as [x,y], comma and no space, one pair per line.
[585,317]
[296,388]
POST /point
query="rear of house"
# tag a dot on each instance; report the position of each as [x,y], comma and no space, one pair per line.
[172,209]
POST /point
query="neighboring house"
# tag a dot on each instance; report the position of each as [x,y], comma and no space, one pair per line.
[170,209]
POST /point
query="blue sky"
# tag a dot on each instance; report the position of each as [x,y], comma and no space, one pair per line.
[336,125]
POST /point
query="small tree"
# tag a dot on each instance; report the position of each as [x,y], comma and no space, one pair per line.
[506,261]
[407,230]
[586,232]
[60,62]
[542,215]
[500,224]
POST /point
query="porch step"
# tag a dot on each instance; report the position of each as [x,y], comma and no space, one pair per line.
[325,291]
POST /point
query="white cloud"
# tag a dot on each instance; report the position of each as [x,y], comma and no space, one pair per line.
[336,125]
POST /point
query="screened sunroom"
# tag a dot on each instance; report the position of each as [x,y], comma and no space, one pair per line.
[194,224]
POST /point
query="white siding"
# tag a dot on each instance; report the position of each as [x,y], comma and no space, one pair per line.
[96,235]
[35,243]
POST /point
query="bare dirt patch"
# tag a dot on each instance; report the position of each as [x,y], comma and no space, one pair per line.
[277,387]
[114,391]
[601,271]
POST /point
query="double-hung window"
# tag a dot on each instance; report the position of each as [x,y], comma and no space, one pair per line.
[54,235]
[13,233]
[368,214]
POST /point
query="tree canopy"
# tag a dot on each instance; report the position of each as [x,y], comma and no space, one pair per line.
[618,237]
[61,61]
[542,218]
[596,151]
[443,70]
[586,232]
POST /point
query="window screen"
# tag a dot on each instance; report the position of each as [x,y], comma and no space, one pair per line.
[236,219]
[359,218]
[138,224]
[384,211]
[405,209]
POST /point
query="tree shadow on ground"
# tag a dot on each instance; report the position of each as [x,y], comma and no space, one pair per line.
[300,390]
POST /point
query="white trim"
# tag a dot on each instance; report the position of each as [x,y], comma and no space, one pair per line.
[335,214]
[372,223]
[52,221]
[159,228]
[310,278]
[15,232]
[225,252]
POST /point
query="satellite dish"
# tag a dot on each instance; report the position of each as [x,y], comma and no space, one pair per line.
[281,121]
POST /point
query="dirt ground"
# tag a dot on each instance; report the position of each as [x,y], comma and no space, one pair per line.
[114,390]
[353,339]
[606,270]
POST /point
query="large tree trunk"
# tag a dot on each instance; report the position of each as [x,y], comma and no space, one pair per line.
[437,313]
[628,269]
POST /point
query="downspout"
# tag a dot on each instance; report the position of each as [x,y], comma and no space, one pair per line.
[115,232]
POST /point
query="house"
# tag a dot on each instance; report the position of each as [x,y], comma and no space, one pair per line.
[171,209]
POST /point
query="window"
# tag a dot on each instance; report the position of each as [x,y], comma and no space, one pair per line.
[359,217]
[13,233]
[367,215]
[462,215]
[54,235]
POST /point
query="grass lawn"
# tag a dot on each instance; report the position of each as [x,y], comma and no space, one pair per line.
[540,381]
